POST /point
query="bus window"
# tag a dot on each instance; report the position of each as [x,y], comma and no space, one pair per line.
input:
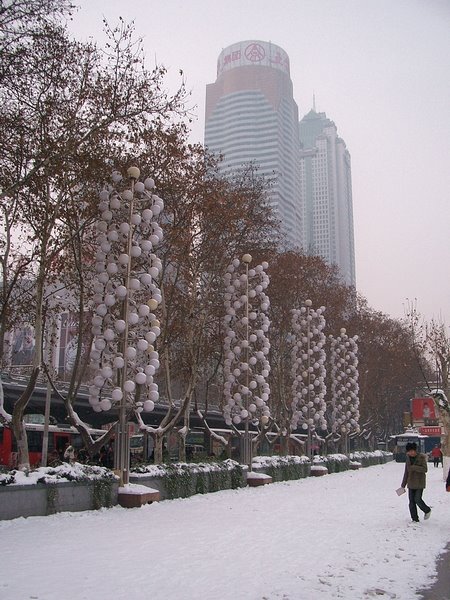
[77,441]
[400,445]
[51,442]
[34,441]
[61,442]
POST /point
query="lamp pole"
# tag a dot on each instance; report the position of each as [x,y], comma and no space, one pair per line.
[124,325]
[344,386]
[247,442]
[123,440]
[246,349]
[308,371]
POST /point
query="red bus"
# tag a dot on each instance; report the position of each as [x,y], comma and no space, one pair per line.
[59,436]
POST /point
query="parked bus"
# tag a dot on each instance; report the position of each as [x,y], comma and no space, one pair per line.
[59,437]
[402,439]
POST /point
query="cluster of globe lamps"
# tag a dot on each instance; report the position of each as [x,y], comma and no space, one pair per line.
[246,343]
[126,295]
[344,386]
[125,326]
[308,369]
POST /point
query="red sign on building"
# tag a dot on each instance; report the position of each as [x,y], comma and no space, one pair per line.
[432,431]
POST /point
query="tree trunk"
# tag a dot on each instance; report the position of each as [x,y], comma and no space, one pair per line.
[181,447]
[284,444]
[445,442]
[18,426]
[158,449]
[21,404]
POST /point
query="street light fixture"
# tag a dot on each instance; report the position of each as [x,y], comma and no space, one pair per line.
[344,386]
[246,346]
[308,371]
[126,294]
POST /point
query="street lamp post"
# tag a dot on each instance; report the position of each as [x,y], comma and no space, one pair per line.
[344,386]
[308,371]
[246,346]
[126,294]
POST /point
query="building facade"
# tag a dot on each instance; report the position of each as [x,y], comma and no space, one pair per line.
[326,194]
[251,116]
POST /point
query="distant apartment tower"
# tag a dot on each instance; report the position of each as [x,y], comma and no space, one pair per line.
[251,116]
[326,194]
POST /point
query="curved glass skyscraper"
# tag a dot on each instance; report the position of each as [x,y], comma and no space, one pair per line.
[251,116]
[326,194]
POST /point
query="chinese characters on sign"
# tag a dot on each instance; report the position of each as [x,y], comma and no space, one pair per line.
[228,59]
[255,54]
[280,61]
[433,431]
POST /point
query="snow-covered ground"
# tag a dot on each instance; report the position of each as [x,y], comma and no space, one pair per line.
[346,535]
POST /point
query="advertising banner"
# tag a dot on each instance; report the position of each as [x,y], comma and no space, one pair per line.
[423,410]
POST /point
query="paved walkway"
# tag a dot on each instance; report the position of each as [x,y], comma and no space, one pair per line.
[440,590]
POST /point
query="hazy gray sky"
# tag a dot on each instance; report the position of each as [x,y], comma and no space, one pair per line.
[380,69]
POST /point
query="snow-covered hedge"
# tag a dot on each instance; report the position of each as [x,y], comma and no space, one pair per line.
[335,463]
[181,480]
[368,459]
[48,490]
[54,489]
[51,475]
[282,468]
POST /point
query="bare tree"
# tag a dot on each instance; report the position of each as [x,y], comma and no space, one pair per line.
[391,366]
[438,345]
[296,277]
[67,108]
[209,220]
[443,406]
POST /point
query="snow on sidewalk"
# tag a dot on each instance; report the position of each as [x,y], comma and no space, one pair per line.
[345,535]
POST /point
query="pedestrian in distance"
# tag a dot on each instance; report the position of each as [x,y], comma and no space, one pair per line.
[415,478]
[69,454]
[436,455]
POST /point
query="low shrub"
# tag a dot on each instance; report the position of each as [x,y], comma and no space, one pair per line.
[182,480]
[282,468]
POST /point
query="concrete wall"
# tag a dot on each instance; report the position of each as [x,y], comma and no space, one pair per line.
[40,500]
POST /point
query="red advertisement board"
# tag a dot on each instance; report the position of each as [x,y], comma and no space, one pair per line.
[423,409]
[433,431]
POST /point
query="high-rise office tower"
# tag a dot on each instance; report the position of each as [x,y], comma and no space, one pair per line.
[251,116]
[326,194]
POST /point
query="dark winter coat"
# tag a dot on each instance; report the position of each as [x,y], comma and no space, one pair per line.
[415,469]
[448,479]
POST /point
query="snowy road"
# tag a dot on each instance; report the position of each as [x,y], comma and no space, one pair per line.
[346,535]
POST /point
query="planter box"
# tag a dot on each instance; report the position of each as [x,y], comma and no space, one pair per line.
[185,482]
[40,499]
[318,471]
[257,479]
[369,459]
[133,496]
[354,466]
[46,499]
[285,468]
